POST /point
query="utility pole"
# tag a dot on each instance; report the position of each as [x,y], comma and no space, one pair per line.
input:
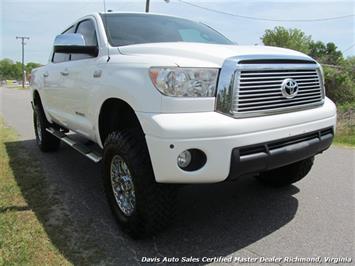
[147,2]
[23,38]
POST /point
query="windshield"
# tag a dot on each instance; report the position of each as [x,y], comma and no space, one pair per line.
[126,29]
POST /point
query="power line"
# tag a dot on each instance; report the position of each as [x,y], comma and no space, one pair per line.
[264,19]
[347,49]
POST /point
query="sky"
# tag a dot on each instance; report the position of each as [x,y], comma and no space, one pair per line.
[43,20]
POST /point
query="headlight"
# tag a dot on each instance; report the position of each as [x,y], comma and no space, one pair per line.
[185,82]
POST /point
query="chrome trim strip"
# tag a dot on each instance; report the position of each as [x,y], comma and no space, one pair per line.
[225,87]
[280,77]
[278,81]
[280,100]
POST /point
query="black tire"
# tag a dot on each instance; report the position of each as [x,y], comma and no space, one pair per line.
[45,140]
[154,203]
[286,175]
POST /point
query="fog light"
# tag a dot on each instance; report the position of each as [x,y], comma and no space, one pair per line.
[184,159]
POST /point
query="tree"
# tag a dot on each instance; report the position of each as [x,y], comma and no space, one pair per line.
[349,65]
[288,38]
[339,78]
[17,71]
[6,69]
[325,53]
[339,85]
[11,70]
[295,39]
[30,66]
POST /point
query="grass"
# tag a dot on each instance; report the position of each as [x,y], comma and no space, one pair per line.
[17,87]
[346,141]
[23,239]
[35,227]
[345,134]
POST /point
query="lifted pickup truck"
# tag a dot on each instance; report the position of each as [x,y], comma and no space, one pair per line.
[171,101]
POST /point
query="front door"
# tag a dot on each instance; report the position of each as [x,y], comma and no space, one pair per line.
[79,80]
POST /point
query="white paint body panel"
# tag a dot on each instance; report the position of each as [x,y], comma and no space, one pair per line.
[217,134]
[203,54]
[74,101]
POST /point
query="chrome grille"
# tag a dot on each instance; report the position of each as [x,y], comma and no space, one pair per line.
[260,90]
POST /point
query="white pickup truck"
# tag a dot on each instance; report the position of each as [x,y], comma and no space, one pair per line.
[165,100]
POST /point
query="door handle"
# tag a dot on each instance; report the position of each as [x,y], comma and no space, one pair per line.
[97,73]
[45,74]
[64,73]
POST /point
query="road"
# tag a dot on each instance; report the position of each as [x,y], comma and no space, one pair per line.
[315,217]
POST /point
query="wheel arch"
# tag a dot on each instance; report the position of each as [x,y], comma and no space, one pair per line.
[36,98]
[37,101]
[116,114]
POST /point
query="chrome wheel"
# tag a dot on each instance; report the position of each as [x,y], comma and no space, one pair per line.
[38,129]
[122,185]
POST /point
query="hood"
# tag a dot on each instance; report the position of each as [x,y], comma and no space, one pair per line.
[184,53]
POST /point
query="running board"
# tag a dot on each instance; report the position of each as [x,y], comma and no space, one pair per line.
[84,150]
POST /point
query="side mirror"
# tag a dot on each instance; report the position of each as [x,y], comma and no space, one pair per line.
[73,43]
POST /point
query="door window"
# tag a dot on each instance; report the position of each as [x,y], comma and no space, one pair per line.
[87,29]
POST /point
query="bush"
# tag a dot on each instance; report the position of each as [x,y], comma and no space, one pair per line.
[345,133]
[340,85]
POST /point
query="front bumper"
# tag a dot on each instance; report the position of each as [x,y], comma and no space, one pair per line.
[218,135]
[267,156]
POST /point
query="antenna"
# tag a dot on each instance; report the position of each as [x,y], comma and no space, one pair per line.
[105,22]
